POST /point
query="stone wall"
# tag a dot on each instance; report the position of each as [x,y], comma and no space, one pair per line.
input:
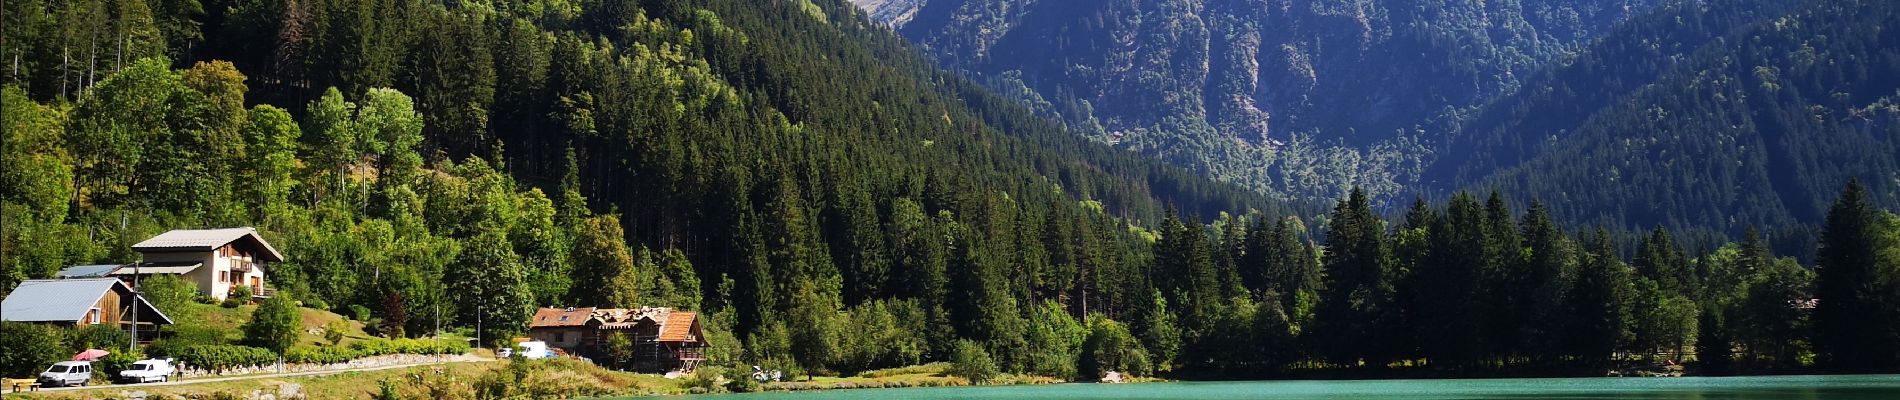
[186,371]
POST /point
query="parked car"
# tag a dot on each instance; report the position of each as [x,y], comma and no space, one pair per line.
[67,373]
[152,370]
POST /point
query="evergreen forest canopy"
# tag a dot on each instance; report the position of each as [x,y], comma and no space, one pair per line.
[831,201]
[1705,116]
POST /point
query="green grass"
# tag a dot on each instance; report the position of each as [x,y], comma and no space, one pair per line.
[926,375]
[231,321]
[556,378]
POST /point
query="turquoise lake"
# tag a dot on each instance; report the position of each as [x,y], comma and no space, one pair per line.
[1857,387]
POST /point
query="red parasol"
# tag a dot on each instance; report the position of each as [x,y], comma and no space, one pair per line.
[90,354]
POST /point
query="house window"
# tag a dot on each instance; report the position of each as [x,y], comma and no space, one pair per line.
[92,316]
[560,336]
[224,276]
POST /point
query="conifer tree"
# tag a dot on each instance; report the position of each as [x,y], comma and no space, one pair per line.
[1847,336]
[1356,289]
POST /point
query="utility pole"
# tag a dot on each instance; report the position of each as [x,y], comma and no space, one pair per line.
[132,345]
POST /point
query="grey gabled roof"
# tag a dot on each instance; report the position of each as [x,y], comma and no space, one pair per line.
[206,239]
[61,300]
[87,271]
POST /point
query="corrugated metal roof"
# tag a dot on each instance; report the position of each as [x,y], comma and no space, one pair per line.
[87,271]
[159,269]
[60,300]
[206,239]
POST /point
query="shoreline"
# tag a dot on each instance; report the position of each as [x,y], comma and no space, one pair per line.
[570,378]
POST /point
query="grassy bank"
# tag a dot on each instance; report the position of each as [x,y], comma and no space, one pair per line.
[230,320]
[558,378]
[927,375]
[532,379]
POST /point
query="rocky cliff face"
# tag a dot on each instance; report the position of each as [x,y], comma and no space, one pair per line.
[1224,86]
[1256,70]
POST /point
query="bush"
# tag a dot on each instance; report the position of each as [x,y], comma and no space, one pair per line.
[111,364]
[333,331]
[359,312]
[239,296]
[1110,347]
[377,347]
[372,348]
[703,380]
[739,380]
[969,361]
[222,357]
[97,337]
[387,392]
[168,292]
[319,355]
[178,337]
[274,325]
[26,349]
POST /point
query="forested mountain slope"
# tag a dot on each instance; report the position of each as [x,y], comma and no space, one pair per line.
[1740,124]
[781,159]
[1708,115]
[826,198]
[1303,98]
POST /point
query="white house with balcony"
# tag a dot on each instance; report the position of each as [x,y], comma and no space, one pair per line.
[219,261]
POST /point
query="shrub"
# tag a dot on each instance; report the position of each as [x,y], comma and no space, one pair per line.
[180,336]
[168,292]
[319,355]
[703,380]
[1110,347]
[333,331]
[97,337]
[359,312]
[111,364]
[388,391]
[239,296]
[739,380]
[222,357]
[372,348]
[274,325]
[968,360]
[25,349]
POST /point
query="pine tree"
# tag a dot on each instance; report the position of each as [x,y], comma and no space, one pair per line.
[1659,258]
[1356,289]
[1597,306]
[1847,338]
[1550,271]
[1447,287]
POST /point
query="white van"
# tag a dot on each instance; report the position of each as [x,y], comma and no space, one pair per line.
[151,370]
[534,349]
[67,373]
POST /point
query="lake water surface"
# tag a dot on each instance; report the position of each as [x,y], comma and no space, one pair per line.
[1839,387]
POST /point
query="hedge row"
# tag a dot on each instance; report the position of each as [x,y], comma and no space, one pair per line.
[222,356]
[371,348]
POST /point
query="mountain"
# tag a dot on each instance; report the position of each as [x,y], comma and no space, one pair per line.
[449,163]
[1540,99]
[827,201]
[1717,114]
[1297,97]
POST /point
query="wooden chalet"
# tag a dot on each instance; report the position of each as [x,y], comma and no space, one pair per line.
[664,339]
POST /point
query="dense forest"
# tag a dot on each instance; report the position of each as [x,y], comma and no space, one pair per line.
[1750,117]
[1705,116]
[828,198]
